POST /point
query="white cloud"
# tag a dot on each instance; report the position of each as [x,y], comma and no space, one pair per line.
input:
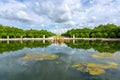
[23,15]
[13,11]
[65,14]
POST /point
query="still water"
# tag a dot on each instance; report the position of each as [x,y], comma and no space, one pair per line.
[73,60]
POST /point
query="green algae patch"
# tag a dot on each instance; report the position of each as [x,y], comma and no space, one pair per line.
[104,55]
[58,62]
[93,68]
[39,56]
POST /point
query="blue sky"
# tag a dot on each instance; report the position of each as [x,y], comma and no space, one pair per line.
[59,15]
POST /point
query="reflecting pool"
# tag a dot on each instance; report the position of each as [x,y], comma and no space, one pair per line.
[73,60]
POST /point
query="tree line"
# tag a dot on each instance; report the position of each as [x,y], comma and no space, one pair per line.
[101,31]
[13,32]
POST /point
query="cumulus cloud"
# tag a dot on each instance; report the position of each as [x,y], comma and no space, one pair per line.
[61,15]
[14,11]
[54,11]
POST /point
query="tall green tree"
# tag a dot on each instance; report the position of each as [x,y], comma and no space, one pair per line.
[101,31]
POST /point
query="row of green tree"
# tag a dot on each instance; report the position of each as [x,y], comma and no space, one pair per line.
[101,46]
[15,45]
[101,31]
[13,32]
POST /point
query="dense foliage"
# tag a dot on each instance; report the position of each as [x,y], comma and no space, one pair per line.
[101,31]
[13,32]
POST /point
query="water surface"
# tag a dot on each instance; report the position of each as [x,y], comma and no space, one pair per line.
[74,60]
